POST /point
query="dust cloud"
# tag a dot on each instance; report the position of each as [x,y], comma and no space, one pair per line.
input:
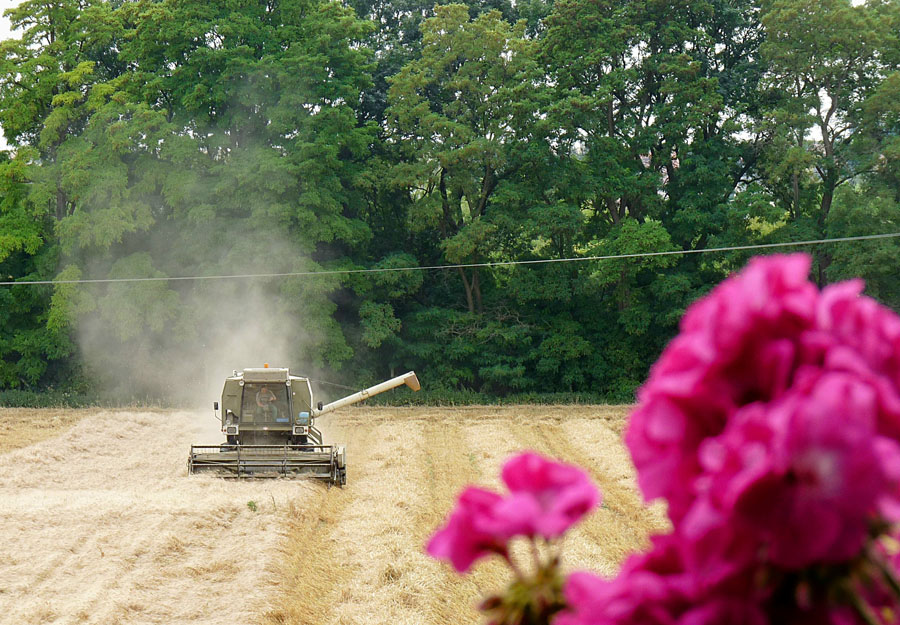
[176,341]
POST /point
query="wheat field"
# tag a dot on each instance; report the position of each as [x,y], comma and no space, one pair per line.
[101,523]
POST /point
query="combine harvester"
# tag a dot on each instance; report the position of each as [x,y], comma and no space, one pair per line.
[268,418]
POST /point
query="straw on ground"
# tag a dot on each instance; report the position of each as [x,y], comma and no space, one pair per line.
[105,526]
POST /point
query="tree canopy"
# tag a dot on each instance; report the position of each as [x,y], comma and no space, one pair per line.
[168,139]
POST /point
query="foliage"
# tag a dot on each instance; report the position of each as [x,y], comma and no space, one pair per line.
[451,397]
[164,139]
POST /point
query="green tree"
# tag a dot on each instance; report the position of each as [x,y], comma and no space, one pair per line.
[45,77]
[860,209]
[631,97]
[32,351]
[825,61]
[230,144]
[456,112]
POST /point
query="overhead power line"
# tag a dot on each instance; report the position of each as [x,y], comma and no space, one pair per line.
[347,388]
[505,263]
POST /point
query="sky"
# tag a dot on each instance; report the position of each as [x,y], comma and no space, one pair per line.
[4,34]
[4,23]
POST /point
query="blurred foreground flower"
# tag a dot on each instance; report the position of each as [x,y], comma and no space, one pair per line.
[546,498]
[770,425]
[468,534]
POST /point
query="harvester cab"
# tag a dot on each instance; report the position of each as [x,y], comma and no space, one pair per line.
[267,407]
[268,418]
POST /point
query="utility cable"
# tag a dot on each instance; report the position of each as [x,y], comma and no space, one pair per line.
[504,263]
[347,388]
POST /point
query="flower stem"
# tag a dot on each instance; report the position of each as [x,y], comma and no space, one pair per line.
[889,575]
[862,609]
[536,554]
[512,564]
[556,548]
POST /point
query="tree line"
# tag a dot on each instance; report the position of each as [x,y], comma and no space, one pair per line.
[165,138]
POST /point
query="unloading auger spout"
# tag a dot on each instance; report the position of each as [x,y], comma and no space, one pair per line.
[409,379]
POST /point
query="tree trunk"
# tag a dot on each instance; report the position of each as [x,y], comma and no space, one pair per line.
[795,185]
[613,210]
[476,287]
[60,204]
[447,224]
[488,183]
[795,203]
[823,256]
[469,301]
[624,295]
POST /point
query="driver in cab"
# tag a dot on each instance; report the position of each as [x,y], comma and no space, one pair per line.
[265,400]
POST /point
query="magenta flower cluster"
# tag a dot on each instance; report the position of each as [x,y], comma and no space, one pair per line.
[770,425]
[545,499]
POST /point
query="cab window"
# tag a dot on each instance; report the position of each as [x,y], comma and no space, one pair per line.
[265,403]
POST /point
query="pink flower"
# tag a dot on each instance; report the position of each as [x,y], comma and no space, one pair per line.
[651,588]
[467,536]
[546,498]
[862,325]
[771,425]
[801,477]
[660,588]
[737,345]
[635,597]
[758,336]
[733,610]
[858,335]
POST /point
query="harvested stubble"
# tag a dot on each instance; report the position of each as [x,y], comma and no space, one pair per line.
[20,427]
[356,557]
[104,526]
